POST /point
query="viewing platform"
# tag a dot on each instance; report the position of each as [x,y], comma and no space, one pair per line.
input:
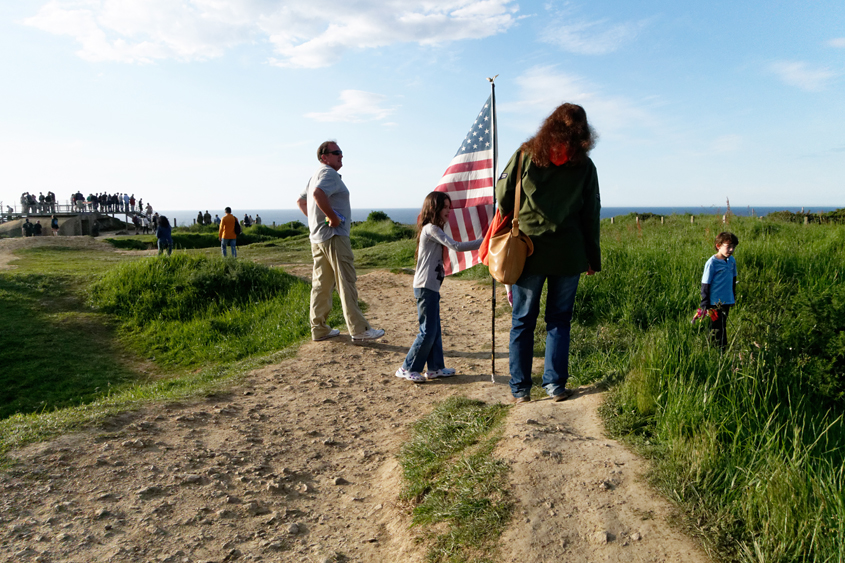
[72,222]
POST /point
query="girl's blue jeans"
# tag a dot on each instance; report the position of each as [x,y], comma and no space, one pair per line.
[428,345]
[526,308]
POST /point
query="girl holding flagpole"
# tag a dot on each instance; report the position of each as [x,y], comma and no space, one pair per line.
[428,345]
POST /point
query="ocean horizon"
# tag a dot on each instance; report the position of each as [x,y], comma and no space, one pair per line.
[409,215]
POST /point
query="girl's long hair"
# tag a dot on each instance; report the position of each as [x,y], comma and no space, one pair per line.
[163,222]
[566,126]
[430,213]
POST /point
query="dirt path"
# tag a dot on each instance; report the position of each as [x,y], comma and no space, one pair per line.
[299,464]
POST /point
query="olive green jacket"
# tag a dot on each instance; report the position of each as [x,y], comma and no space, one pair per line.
[559,210]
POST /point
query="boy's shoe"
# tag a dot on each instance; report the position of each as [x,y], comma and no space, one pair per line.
[445,372]
[563,396]
[518,400]
[410,375]
[369,334]
[332,333]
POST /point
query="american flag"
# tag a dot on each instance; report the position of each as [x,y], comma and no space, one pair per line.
[469,182]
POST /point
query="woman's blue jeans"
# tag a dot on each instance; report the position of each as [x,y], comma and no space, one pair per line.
[428,345]
[526,308]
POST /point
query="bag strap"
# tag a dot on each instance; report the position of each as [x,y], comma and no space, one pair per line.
[516,204]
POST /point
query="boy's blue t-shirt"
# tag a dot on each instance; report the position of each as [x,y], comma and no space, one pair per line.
[720,275]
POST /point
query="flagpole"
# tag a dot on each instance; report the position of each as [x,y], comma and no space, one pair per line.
[494,136]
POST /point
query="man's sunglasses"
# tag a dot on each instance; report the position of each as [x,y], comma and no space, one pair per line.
[336,153]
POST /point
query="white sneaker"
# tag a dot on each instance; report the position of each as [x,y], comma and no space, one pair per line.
[369,334]
[332,333]
[414,376]
[445,372]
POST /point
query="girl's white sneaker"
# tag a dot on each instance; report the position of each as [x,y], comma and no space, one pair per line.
[410,375]
[445,372]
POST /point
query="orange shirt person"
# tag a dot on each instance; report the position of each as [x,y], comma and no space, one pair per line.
[228,233]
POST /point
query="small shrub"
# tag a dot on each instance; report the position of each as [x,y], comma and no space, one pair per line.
[377,216]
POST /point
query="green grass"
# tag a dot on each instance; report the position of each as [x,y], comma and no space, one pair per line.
[54,353]
[71,261]
[191,310]
[370,233]
[750,442]
[451,478]
[66,364]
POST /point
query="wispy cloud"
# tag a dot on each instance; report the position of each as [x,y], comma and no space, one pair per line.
[838,42]
[582,36]
[302,33]
[356,106]
[543,88]
[802,75]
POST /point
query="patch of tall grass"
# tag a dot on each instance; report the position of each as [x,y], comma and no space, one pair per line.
[750,441]
[187,310]
[452,478]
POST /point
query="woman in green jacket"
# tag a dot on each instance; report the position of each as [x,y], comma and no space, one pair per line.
[559,210]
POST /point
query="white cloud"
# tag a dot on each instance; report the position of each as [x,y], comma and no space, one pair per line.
[356,106]
[838,42]
[303,33]
[590,37]
[801,75]
[543,88]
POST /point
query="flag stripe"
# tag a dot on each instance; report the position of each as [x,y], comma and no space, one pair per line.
[485,165]
[469,181]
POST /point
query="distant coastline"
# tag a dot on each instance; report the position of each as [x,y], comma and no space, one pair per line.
[409,215]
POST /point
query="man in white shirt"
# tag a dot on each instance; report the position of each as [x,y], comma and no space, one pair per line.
[325,201]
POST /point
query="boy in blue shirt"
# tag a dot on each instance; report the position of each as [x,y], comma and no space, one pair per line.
[718,286]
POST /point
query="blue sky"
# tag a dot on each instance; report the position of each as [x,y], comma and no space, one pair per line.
[199,104]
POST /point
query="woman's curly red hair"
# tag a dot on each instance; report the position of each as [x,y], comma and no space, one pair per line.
[567,126]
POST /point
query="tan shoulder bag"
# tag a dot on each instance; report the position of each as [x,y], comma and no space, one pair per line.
[508,250]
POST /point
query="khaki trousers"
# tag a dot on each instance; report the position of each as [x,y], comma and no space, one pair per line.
[334,265]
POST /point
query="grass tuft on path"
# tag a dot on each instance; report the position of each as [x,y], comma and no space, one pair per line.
[451,477]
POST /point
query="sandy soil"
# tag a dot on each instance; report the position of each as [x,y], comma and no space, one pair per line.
[299,463]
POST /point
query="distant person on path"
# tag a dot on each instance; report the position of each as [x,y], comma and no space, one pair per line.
[227,233]
[559,211]
[36,229]
[54,224]
[257,219]
[26,228]
[146,222]
[216,219]
[247,221]
[428,345]
[164,236]
[199,218]
[206,218]
[718,287]
[325,201]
